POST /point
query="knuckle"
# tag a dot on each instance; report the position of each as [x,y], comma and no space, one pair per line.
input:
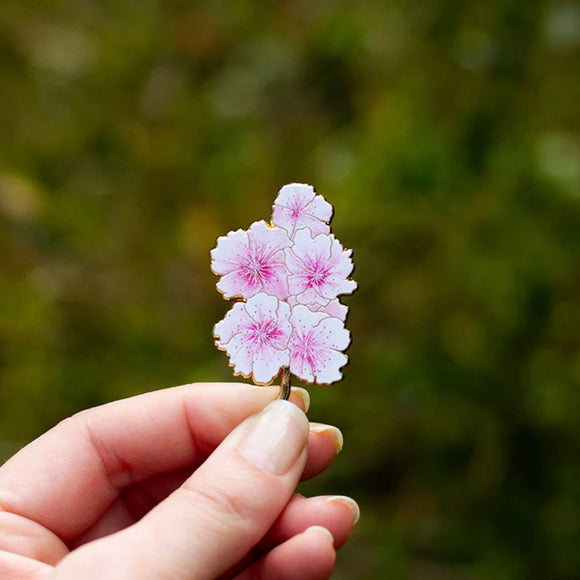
[220,504]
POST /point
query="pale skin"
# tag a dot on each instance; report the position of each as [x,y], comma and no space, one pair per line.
[194,482]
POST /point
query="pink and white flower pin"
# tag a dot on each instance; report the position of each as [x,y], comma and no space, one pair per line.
[287,277]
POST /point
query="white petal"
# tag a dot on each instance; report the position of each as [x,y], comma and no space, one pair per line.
[300,368]
[335,309]
[235,284]
[331,333]
[275,281]
[320,209]
[241,355]
[311,250]
[294,263]
[233,323]
[315,225]
[267,241]
[295,192]
[282,217]
[340,259]
[229,252]
[328,366]
[303,319]
[262,307]
[268,362]
[312,296]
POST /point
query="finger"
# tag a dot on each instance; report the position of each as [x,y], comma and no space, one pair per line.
[219,513]
[21,536]
[324,442]
[16,567]
[82,464]
[307,556]
[337,513]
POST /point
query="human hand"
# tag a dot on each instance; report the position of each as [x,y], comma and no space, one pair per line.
[175,484]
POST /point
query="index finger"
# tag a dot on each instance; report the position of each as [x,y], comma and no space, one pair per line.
[67,478]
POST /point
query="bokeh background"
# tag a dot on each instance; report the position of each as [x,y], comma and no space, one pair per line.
[446,134]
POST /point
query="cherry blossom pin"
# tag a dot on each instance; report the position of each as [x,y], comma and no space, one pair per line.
[287,276]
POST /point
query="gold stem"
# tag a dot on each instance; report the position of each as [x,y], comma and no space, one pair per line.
[285,384]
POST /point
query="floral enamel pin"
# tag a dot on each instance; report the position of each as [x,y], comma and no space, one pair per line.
[286,276]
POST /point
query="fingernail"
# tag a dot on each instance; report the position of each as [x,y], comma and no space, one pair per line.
[304,395]
[277,438]
[320,530]
[349,502]
[331,430]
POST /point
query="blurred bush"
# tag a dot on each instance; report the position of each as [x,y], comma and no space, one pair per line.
[446,134]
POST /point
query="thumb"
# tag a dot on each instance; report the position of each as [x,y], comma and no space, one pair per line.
[207,525]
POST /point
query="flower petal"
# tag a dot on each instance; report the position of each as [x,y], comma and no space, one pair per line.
[300,367]
[304,320]
[266,241]
[230,252]
[331,333]
[320,208]
[295,194]
[235,284]
[282,217]
[327,366]
[241,354]
[334,308]
[234,322]
[268,362]
[312,250]
[275,281]
[262,307]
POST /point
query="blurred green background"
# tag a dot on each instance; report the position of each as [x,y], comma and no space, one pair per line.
[447,136]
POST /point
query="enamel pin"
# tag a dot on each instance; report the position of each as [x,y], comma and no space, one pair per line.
[286,277]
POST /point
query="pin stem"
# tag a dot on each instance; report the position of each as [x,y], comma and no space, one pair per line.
[285,384]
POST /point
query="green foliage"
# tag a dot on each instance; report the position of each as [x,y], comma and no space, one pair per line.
[446,134]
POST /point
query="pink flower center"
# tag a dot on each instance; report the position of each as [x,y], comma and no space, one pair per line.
[307,348]
[255,268]
[316,274]
[296,210]
[264,332]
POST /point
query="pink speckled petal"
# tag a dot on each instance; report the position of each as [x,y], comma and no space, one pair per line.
[295,193]
[320,209]
[327,367]
[303,319]
[313,224]
[314,297]
[267,241]
[229,252]
[268,362]
[235,284]
[294,264]
[331,333]
[335,309]
[300,368]
[340,259]
[233,323]
[311,250]
[242,354]
[276,282]
[282,218]
[262,307]
[337,285]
